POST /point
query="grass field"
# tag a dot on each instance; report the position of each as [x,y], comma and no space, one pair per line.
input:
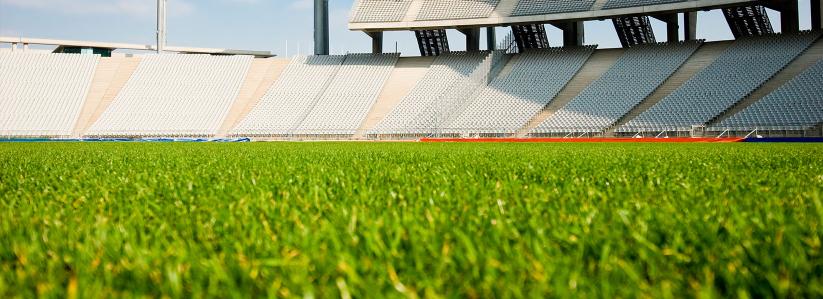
[363,220]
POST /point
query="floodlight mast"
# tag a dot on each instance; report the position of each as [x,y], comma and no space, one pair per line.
[161,26]
[321,27]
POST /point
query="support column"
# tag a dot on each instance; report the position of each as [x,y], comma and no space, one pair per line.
[790,17]
[161,26]
[491,39]
[376,42]
[13,47]
[25,47]
[472,39]
[574,34]
[690,25]
[817,11]
[672,26]
[321,27]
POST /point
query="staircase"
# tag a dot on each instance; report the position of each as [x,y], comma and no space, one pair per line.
[703,57]
[261,75]
[111,75]
[811,56]
[600,62]
[407,72]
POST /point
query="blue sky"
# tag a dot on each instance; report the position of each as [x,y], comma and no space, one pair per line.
[254,24]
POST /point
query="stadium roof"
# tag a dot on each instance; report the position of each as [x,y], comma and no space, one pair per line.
[123,46]
[413,15]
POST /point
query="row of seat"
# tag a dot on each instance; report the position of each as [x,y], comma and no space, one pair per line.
[291,97]
[610,4]
[190,95]
[635,75]
[376,11]
[456,9]
[797,105]
[174,95]
[742,68]
[367,11]
[421,110]
[514,97]
[41,95]
[540,7]
[319,95]
[348,98]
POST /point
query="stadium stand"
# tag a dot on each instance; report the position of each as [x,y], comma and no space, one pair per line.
[610,4]
[510,100]
[349,96]
[742,68]
[798,105]
[456,9]
[539,7]
[419,111]
[41,95]
[380,11]
[291,98]
[174,95]
[630,80]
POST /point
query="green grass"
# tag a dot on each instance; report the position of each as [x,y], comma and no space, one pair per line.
[411,220]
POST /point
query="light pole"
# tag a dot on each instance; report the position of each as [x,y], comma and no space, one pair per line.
[161,26]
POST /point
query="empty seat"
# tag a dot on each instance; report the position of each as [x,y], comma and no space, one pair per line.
[456,9]
[174,96]
[797,105]
[367,11]
[630,3]
[291,98]
[741,69]
[421,111]
[539,7]
[512,99]
[41,95]
[350,95]
[629,81]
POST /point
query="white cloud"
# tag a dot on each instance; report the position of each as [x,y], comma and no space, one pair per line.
[116,7]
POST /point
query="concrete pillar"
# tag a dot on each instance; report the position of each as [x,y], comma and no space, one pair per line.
[790,17]
[690,25]
[25,47]
[491,39]
[672,26]
[817,11]
[472,39]
[13,47]
[574,34]
[321,27]
[376,42]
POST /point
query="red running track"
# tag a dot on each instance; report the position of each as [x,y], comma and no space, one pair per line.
[585,140]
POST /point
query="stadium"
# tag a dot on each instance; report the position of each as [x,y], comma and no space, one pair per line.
[671,166]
